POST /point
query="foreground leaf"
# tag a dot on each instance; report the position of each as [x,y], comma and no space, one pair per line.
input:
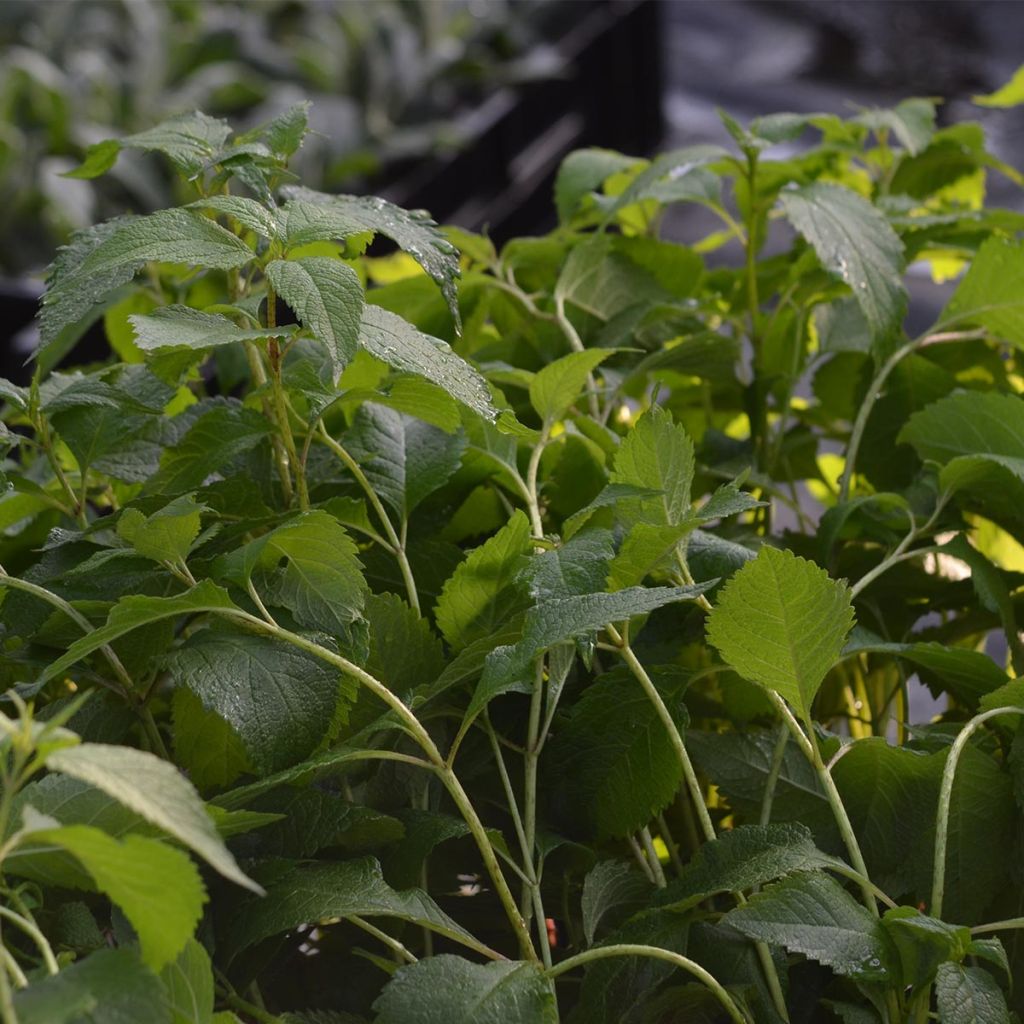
[969,995]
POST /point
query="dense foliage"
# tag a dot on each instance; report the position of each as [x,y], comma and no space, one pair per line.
[557,670]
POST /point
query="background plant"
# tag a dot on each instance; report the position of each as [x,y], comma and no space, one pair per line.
[517,676]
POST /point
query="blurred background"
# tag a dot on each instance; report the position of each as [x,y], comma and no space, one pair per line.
[462,107]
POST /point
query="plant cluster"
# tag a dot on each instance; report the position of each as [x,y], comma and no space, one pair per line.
[558,670]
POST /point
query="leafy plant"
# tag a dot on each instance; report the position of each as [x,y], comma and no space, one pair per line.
[560,669]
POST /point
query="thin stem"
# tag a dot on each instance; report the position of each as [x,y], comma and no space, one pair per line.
[655,953]
[43,430]
[259,379]
[397,548]
[652,857]
[576,344]
[13,969]
[778,755]
[532,469]
[8,1015]
[641,859]
[671,844]
[281,404]
[998,926]
[945,798]
[35,935]
[392,943]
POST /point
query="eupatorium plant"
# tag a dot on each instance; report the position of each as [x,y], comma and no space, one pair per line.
[556,670]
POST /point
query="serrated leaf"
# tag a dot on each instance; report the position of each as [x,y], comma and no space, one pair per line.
[657,454]
[284,133]
[912,122]
[644,549]
[445,989]
[781,621]
[741,859]
[479,595]
[168,534]
[189,984]
[582,172]
[923,943]
[175,326]
[327,297]
[812,914]
[969,995]
[303,892]
[404,459]
[396,342]
[157,887]
[555,387]
[248,212]
[413,232]
[100,260]
[613,765]
[578,566]
[404,650]
[854,242]
[112,980]
[612,889]
[155,790]
[279,700]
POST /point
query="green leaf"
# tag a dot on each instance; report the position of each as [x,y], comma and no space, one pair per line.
[310,891]
[132,612]
[155,790]
[582,172]
[557,386]
[744,858]
[446,989]
[603,282]
[327,297]
[321,582]
[317,215]
[1009,95]
[248,212]
[171,327]
[854,242]
[613,765]
[396,342]
[110,986]
[99,158]
[157,887]
[101,259]
[481,593]
[552,622]
[168,534]
[189,985]
[404,650]
[645,548]
[404,459]
[579,566]
[912,122]
[657,454]
[989,295]
[923,943]
[282,134]
[205,745]
[279,700]
[613,889]
[812,914]
[968,995]
[781,621]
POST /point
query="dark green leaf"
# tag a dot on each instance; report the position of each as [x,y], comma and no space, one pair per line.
[968,995]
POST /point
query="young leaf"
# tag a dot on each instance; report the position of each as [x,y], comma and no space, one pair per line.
[327,297]
[782,622]
[183,327]
[923,943]
[396,342]
[612,889]
[165,536]
[248,212]
[968,995]
[812,914]
[555,388]
[155,790]
[855,243]
[189,984]
[446,988]
[582,172]
[156,886]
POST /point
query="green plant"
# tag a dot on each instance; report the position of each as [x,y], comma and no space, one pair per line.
[518,673]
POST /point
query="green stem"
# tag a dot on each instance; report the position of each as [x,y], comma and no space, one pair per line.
[998,926]
[576,344]
[13,969]
[259,379]
[30,929]
[532,471]
[43,430]
[778,755]
[655,953]
[945,798]
[390,941]
[397,548]
[652,858]
[8,1015]
[281,404]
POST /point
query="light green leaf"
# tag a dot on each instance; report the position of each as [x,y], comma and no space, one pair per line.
[182,327]
[327,297]
[481,593]
[396,342]
[603,282]
[812,914]
[854,242]
[578,566]
[282,134]
[989,295]
[157,886]
[279,700]
[248,212]
[155,790]
[613,889]
[969,995]
[744,858]
[404,459]
[449,990]
[317,215]
[189,985]
[644,549]
[205,745]
[912,122]
[555,388]
[103,258]
[111,986]
[303,892]
[656,454]
[1009,95]
[584,171]
[610,496]
[781,621]
[165,536]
